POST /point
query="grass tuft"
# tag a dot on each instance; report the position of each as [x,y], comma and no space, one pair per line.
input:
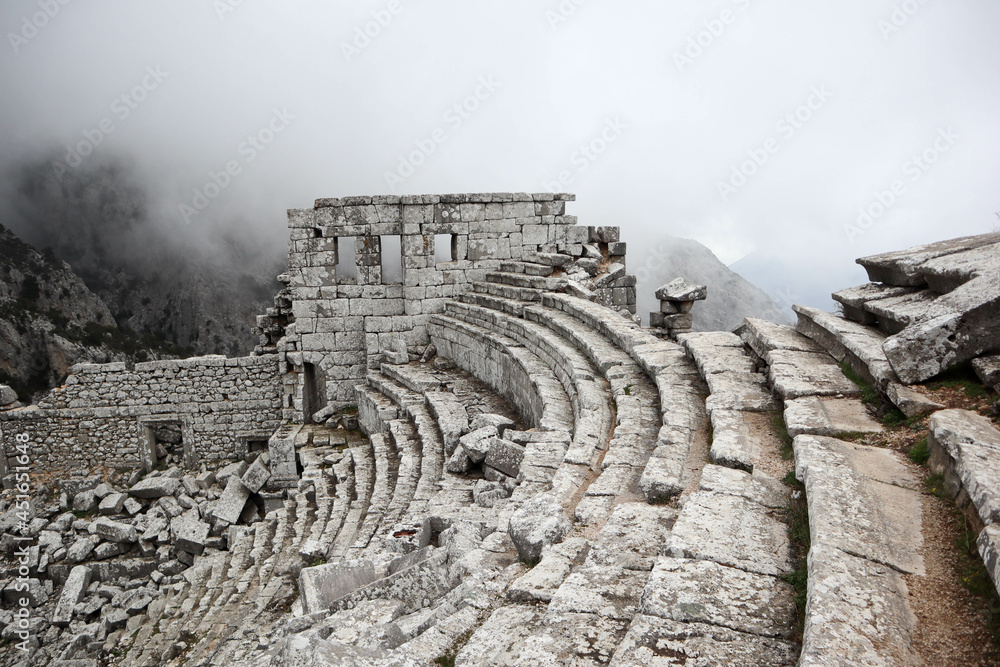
[868,394]
[920,452]
[798,534]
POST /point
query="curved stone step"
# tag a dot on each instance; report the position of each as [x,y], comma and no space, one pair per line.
[509,292]
[363,456]
[587,395]
[508,367]
[526,281]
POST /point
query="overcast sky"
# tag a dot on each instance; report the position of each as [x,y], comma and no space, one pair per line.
[759,127]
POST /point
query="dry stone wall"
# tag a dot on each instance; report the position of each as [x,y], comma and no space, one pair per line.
[103,415]
[343,313]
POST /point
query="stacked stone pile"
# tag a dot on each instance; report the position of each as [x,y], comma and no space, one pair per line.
[101,556]
[677,299]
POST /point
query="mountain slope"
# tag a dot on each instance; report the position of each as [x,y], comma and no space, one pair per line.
[50,320]
[730,297]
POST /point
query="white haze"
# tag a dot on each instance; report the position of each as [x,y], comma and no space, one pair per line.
[545,87]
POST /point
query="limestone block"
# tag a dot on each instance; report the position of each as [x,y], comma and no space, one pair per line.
[256,476]
[155,487]
[504,456]
[653,641]
[821,415]
[989,549]
[234,497]
[114,531]
[856,613]
[112,504]
[681,290]
[190,532]
[72,592]
[539,522]
[700,591]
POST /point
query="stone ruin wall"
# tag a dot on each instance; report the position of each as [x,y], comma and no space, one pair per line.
[329,330]
[332,329]
[101,416]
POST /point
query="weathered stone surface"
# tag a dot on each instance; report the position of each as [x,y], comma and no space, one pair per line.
[633,536]
[853,300]
[190,532]
[732,444]
[477,443]
[499,639]
[499,422]
[541,582]
[72,592]
[988,370]
[572,640]
[861,501]
[659,642]
[112,504]
[487,493]
[114,531]
[989,549]
[856,612]
[354,626]
[705,592]
[234,497]
[605,590]
[911,402]
[902,267]
[763,336]
[662,478]
[739,391]
[7,395]
[539,522]
[756,487]
[256,476]
[681,290]
[79,550]
[973,447]
[794,374]
[504,456]
[733,531]
[84,501]
[822,415]
[155,487]
[322,585]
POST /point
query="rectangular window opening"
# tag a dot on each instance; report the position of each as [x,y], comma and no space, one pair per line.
[445,247]
[392,260]
[347,263]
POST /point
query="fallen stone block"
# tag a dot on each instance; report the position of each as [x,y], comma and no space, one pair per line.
[234,498]
[504,456]
[114,531]
[476,443]
[539,522]
[486,493]
[190,532]
[72,592]
[155,487]
[322,585]
[256,476]
[112,504]
[84,501]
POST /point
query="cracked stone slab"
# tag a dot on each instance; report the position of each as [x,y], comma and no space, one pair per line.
[733,531]
[973,446]
[757,487]
[659,642]
[825,415]
[911,402]
[701,591]
[861,501]
[856,613]
[633,536]
[732,444]
[572,640]
[794,374]
[608,591]
[664,473]
[902,267]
